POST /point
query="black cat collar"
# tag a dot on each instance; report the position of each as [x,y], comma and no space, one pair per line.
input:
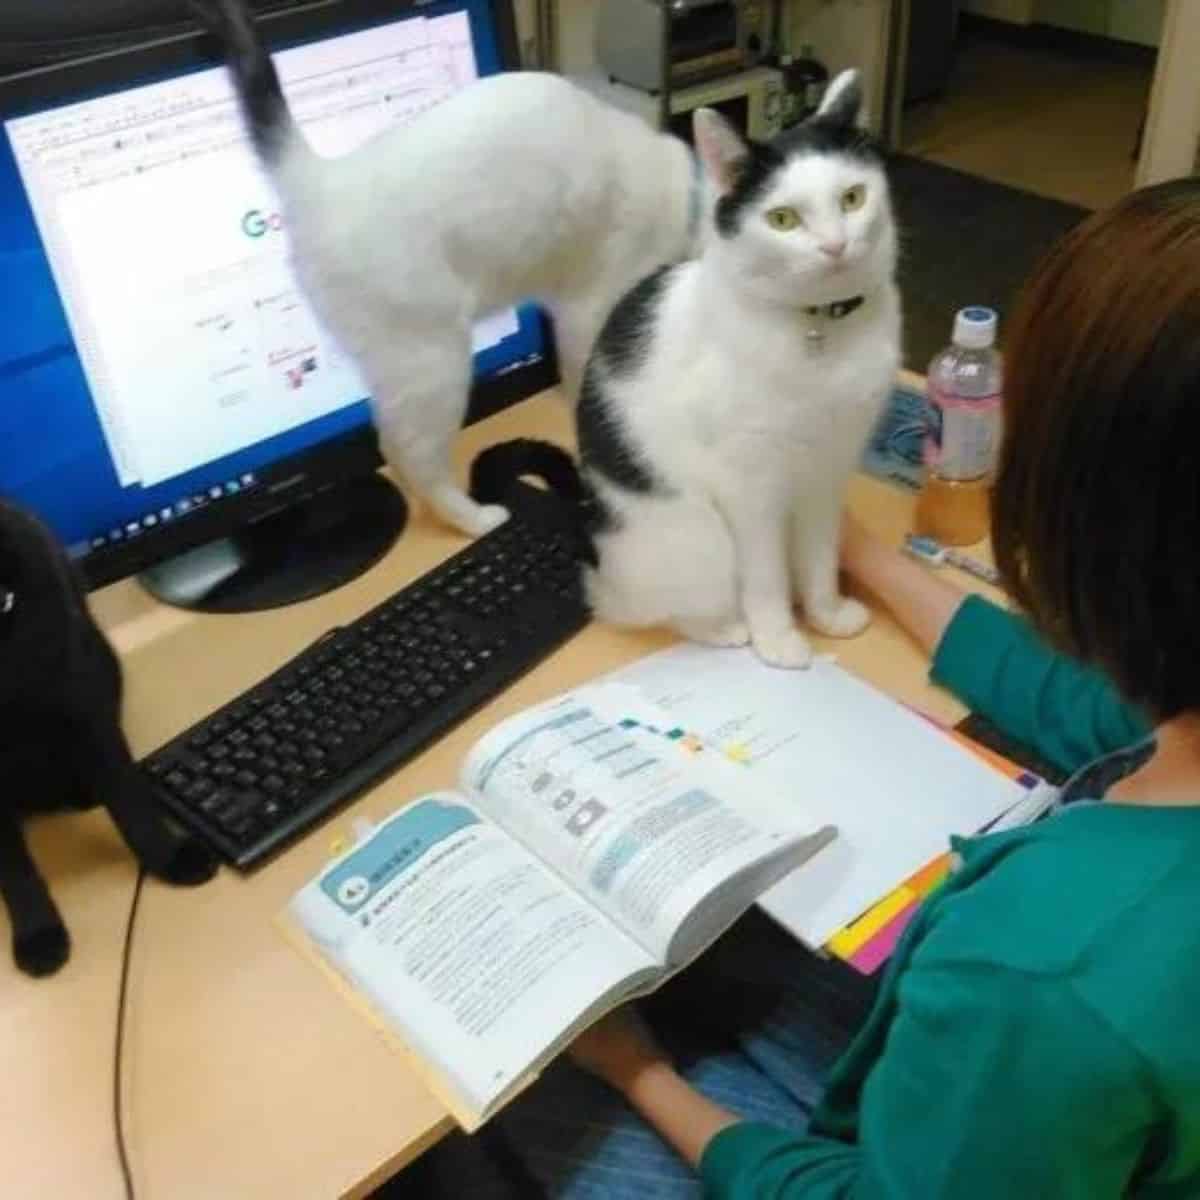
[837,310]
[814,335]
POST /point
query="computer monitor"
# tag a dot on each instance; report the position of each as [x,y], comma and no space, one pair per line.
[164,385]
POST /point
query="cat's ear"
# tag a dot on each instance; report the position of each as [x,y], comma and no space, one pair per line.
[720,146]
[843,99]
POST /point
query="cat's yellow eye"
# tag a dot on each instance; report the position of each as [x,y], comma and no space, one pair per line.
[783,219]
[853,198]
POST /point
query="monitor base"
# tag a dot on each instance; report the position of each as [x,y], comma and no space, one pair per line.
[300,552]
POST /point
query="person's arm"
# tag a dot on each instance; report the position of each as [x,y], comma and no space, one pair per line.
[621,1050]
[994,662]
[923,604]
[993,1084]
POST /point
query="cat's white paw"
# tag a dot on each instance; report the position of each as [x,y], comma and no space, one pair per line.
[483,519]
[846,619]
[732,633]
[787,648]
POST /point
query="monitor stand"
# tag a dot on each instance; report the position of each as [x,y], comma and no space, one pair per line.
[304,550]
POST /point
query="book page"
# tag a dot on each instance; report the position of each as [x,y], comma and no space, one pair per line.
[465,946]
[892,782]
[629,813]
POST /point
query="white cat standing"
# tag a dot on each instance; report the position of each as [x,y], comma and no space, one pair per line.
[518,187]
[728,399]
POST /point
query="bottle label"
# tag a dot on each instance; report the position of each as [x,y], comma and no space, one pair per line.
[963,435]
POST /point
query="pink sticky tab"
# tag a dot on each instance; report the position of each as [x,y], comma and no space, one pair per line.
[878,950]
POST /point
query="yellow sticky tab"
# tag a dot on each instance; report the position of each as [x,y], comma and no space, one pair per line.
[737,752]
[847,942]
[927,878]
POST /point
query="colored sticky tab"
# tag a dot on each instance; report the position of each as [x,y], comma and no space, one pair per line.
[738,752]
[873,954]
[845,943]
[927,878]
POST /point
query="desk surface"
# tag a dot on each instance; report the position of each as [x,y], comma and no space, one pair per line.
[246,1074]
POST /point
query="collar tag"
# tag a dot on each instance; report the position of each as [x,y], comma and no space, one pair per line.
[814,335]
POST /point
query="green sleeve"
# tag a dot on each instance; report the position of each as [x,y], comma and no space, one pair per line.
[998,667]
[992,1085]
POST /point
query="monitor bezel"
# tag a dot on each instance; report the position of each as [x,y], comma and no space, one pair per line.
[299,476]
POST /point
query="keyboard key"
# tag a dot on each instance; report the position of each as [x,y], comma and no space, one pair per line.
[199,789]
[373,694]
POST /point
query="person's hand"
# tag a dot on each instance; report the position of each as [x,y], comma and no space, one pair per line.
[618,1048]
[923,604]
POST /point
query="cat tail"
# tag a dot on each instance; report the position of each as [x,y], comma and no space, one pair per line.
[269,121]
[497,468]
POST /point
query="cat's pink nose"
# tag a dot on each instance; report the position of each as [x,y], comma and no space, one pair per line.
[834,249]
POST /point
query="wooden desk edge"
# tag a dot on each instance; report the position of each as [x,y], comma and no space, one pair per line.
[173,680]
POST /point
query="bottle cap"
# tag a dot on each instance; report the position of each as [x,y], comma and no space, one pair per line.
[785,60]
[975,328]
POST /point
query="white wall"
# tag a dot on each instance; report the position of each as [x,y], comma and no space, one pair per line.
[1019,12]
[1169,148]
[1086,16]
[1127,20]
[1137,20]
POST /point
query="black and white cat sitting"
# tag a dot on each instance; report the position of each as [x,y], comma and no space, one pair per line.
[61,745]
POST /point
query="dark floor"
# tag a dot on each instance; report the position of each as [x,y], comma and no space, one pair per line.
[964,240]
[1058,114]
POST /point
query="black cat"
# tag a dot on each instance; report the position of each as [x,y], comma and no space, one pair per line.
[61,745]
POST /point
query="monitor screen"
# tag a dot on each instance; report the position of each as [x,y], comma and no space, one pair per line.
[157,357]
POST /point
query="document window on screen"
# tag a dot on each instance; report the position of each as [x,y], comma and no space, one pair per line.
[171,257]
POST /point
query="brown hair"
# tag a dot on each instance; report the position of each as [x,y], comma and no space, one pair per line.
[1096,509]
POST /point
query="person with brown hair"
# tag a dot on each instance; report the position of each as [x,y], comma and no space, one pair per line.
[1036,1032]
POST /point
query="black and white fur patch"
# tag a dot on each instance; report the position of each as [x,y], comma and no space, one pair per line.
[604,446]
[829,133]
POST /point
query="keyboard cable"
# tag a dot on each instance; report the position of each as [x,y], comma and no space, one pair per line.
[119,1042]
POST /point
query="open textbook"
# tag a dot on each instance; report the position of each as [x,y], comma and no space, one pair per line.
[894,784]
[592,849]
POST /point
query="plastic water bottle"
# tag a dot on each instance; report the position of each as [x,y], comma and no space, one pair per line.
[963,437]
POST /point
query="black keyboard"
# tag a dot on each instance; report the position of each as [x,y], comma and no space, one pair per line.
[369,696]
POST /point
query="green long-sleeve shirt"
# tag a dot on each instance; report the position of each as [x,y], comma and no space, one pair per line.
[1037,1035]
